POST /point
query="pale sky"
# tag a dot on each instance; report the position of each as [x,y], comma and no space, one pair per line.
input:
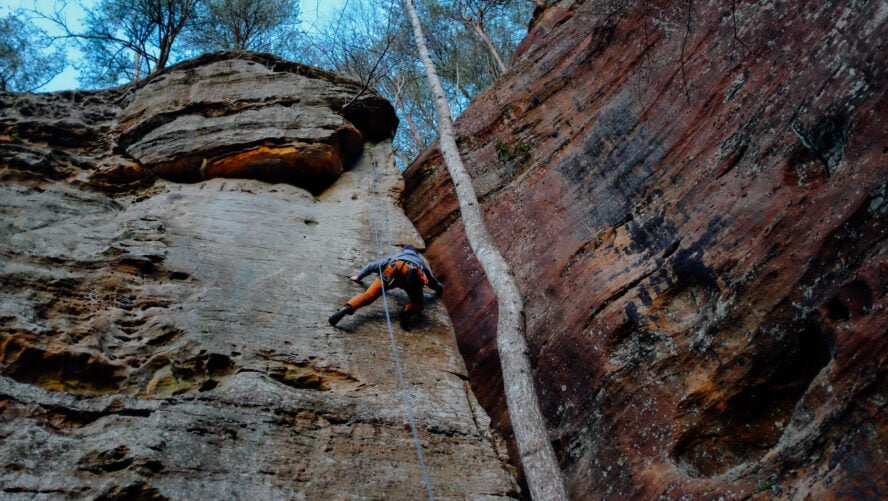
[312,12]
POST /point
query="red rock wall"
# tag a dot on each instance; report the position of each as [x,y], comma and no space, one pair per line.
[694,198]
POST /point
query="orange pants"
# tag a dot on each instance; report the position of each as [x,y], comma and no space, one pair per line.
[414,294]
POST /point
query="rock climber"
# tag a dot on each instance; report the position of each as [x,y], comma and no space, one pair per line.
[405,270]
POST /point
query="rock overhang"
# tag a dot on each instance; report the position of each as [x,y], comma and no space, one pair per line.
[251,115]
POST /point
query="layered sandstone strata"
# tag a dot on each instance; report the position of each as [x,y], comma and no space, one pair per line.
[694,199]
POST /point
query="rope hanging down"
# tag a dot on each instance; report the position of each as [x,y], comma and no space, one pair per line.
[408,403]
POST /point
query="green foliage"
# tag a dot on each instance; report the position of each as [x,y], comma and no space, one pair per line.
[27,57]
[505,152]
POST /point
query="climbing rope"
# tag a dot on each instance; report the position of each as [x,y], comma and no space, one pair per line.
[408,403]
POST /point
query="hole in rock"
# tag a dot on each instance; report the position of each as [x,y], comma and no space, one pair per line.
[139,490]
[306,376]
[106,461]
[744,426]
[71,371]
[204,368]
[836,310]
[208,385]
[174,376]
[855,298]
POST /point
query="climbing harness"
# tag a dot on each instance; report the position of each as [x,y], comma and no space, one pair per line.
[408,403]
[393,274]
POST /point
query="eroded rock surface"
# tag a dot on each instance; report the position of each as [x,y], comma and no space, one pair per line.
[693,197]
[170,341]
[253,116]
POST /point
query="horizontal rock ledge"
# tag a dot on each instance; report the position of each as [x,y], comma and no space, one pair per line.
[251,115]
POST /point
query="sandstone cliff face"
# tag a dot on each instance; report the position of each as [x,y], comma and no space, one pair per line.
[168,340]
[694,197]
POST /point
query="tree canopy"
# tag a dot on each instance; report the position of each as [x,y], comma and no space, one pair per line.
[257,25]
[27,59]
[129,39]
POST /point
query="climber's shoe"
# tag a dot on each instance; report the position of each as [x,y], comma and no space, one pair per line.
[341,312]
[406,317]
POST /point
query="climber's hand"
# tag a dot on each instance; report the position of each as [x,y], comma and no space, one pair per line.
[354,278]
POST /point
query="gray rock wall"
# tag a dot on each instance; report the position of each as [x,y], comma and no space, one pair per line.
[164,340]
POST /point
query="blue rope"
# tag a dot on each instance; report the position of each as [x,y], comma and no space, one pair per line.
[408,403]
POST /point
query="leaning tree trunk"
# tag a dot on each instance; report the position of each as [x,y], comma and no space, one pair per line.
[537,455]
